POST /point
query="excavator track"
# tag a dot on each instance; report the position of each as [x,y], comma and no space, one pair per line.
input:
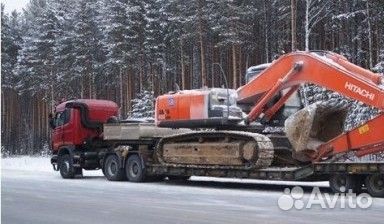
[216,149]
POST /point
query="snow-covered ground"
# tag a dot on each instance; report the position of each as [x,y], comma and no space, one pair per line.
[26,163]
[33,193]
[34,164]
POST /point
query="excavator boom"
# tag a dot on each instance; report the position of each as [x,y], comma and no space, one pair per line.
[328,70]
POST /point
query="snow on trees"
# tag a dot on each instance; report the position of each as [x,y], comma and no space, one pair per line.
[117,49]
[143,106]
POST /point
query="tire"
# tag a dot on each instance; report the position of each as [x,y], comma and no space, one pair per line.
[341,183]
[135,169]
[375,185]
[111,169]
[66,168]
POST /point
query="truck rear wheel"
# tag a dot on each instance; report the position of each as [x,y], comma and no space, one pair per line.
[375,185]
[112,170]
[66,168]
[341,183]
[135,169]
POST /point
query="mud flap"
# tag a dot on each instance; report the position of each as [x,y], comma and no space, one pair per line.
[54,160]
[314,125]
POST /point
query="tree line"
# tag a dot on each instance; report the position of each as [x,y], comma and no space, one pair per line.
[123,49]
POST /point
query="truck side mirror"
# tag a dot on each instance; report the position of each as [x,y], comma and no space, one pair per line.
[51,121]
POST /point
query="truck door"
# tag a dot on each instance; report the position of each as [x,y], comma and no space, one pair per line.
[66,127]
[56,135]
[57,138]
[61,132]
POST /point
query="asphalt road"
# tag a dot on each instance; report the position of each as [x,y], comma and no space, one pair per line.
[43,197]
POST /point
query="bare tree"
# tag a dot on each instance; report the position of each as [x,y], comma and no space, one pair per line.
[293,25]
[369,35]
[201,40]
[266,36]
[315,11]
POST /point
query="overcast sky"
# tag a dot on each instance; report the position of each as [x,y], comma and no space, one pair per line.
[11,5]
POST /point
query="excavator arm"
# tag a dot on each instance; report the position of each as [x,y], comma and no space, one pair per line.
[328,70]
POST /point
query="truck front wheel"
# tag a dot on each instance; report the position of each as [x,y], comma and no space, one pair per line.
[67,170]
[135,169]
[112,170]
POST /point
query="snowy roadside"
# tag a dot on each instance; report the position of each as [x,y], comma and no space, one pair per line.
[42,164]
[35,164]
[26,163]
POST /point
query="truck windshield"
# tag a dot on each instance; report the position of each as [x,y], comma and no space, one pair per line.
[62,117]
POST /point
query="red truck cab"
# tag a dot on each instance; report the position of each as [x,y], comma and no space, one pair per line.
[77,121]
[77,126]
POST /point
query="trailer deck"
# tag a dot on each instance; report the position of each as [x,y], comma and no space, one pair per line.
[146,133]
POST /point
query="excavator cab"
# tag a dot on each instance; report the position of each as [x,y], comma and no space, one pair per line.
[291,106]
[253,71]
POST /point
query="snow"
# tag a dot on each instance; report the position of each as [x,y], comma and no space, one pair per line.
[26,163]
[258,67]
[142,106]
[35,164]
[30,196]
[328,60]
[349,15]
[270,129]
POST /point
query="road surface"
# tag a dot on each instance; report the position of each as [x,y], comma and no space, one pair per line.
[41,196]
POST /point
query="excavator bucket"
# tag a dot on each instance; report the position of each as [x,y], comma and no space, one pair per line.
[313,125]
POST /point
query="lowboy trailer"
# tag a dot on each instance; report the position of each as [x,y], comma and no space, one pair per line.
[129,153]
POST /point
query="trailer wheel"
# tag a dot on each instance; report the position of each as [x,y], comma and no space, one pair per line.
[341,183]
[135,169]
[112,170]
[375,185]
[67,170]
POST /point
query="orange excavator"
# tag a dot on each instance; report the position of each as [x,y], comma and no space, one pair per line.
[315,132]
